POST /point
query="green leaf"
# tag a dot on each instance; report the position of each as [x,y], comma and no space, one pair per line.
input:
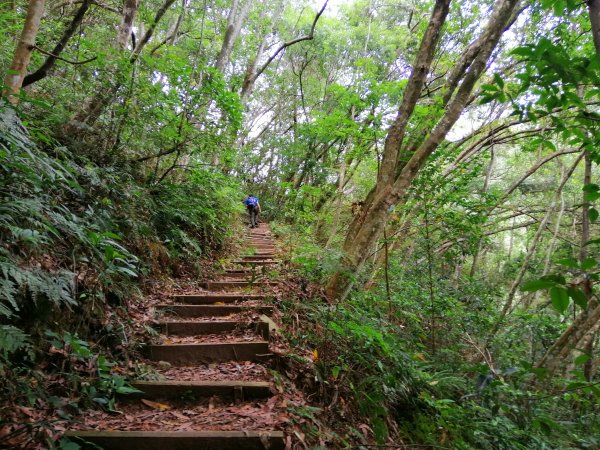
[335,372]
[592,187]
[499,81]
[593,214]
[522,51]
[578,297]
[536,285]
[588,263]
[559,7]
[66,444]
[593,241]
[591,196]
[568,262]
[559,298]
[582,359]
[126,390]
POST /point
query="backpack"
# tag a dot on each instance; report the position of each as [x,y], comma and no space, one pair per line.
[251,201]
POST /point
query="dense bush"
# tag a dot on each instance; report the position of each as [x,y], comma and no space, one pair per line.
[76,240]
[420,379]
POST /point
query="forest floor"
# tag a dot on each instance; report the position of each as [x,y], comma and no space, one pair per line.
[215,373]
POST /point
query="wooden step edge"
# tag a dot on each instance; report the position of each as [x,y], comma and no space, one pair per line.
[236,390]
[256,262]
[235,284]
[212,299]
[199,310]
[178,440]
[202,353]
[195,328]
[219,297]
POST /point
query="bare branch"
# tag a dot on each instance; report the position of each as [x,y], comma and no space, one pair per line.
[287,44]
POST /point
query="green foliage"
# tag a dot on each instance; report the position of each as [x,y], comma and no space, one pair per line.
[100,387]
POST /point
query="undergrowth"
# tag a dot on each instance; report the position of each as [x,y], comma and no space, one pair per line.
[389,374]
[77,242]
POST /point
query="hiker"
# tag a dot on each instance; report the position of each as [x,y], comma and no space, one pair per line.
[253,207]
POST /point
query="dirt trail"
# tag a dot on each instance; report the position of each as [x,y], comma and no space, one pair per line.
[213,389]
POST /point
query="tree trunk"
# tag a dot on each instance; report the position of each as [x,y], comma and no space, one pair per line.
[42,72]
[594,12]
[508,305]
[585,323]
[129,11]
[485,188]
[235,20]
[18,68]
[390,189]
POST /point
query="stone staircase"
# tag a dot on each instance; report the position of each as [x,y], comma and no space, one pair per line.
[204,337]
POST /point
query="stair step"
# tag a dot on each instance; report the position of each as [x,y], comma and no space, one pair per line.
[259,256]
[212,327]
[208,299]
[209,310]
[218,285]
[256,262]
[230,390]
[242,276]
[185,354]
[180,440]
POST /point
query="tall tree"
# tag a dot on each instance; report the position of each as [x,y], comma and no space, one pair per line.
[400,165]
[18,68]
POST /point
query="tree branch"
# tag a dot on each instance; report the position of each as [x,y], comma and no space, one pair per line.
[287,44]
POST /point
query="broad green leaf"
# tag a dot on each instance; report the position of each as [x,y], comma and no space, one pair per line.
[499,81]
[582,359]
[592,187]
[522,51]
[559,8]
[591,196]
[536,285]
[593,214]
[588,263]
[578,297]
[559,298]
[568,262]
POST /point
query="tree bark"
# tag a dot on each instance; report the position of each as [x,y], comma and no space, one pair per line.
[150,31]
[594,13]
[389,191]
[586,322]
[18,68]
[42,72]
[129,11]
[235,20]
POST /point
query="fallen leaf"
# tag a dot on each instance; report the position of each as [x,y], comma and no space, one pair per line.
[315,355]
[156,405]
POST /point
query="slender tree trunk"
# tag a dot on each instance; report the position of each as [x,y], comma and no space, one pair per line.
[594,12]
[249,78]
[338,206]
[42,72]
[588,344]
[584,323]
[390,190]
[486,185]
[18,68]
[399,236]
[508,305]
[130,8]
[235,20]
